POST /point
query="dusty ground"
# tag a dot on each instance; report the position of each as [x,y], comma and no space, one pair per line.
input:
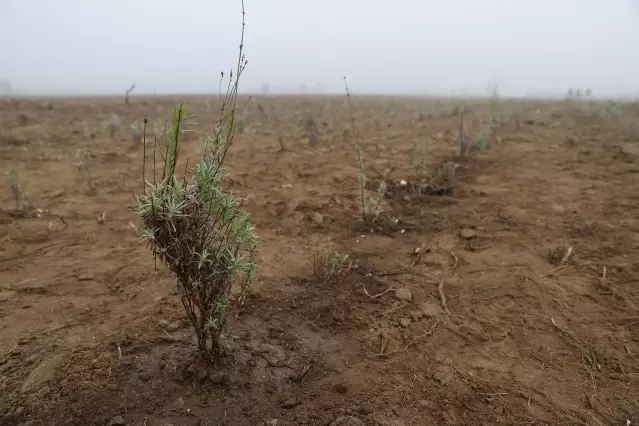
[92,334]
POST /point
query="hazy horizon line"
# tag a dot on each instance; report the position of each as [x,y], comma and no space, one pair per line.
[417,95]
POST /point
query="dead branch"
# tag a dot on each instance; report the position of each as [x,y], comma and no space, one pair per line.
[562,262]
[442,297]
[375,296]
[440,289]
[506,218]
[126,95]
[411,343]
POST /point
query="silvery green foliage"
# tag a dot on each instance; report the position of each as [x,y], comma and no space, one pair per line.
[201,233]
[15,186]
[611,112]
[113,125]
[136,133]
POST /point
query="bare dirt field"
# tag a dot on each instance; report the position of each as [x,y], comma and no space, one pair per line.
[536,251]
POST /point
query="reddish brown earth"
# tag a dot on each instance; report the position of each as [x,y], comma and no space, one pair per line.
[92,334]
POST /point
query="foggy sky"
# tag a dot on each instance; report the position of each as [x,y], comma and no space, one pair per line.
[400,46]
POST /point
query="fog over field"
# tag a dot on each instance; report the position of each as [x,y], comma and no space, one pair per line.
[405,46]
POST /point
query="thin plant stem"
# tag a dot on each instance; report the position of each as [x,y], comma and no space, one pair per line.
[358,149]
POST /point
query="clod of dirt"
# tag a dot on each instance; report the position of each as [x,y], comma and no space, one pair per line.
[347,421]
[44,372]
[628,153]
[318,218]
[15,352]
[270,422]
[403,294]
[467,234]
[424,403]
[416,315]
[31,359]
[117,421]
[290,403]
[340,387]
[404,322]
[430,309]
[218,377]
[441,375]
[273,354]
[174,326]
[555,255]
[365,409]
[11,416]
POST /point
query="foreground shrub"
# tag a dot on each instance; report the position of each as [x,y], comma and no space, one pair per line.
[199,231]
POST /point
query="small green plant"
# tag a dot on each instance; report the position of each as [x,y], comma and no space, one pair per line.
[113,125]
[311,128]
[461,135]
[15,187]
[82,168]
[200,231]
[370,208]
[136,134]
[495,119]
[418,171]
[330,265]
[479,144]
[610,111]
[373,205]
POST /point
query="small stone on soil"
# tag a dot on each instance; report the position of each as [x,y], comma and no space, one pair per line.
[467,234]
[403,294]
[218,377]
[117,421]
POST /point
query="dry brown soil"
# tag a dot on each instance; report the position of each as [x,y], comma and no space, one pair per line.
[92,333]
